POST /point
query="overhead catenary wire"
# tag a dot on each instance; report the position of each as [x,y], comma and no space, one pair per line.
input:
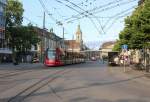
[96,8]
[110,17]
[58,13]
[67,6]
[87,14]
[26,18]
[114,6]
[90,14]
[79,12]
[100,11]
[114,21]
[46,10]
[118,15]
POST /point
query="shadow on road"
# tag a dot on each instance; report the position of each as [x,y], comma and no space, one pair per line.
[61,89]
[90,99]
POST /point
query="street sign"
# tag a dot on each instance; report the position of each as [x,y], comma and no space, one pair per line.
[124,47]
[125,54]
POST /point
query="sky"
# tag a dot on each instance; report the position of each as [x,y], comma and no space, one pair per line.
[100,20]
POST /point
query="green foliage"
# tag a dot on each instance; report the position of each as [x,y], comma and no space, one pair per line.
[14,12]
[117,46]
[21,38]
[137,28]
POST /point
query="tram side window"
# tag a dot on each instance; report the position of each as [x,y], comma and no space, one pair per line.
[62,57]
[51,55]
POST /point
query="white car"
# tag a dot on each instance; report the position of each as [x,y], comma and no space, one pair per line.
[93,58]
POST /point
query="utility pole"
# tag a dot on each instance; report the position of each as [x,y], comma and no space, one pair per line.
[42,39]
[72,48]
[63,38]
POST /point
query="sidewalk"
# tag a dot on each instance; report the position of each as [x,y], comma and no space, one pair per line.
[20,66]
[131,74]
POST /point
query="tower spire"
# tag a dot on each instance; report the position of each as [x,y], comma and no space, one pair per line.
[79,34]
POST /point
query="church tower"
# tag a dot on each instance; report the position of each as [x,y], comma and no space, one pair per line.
[79,35]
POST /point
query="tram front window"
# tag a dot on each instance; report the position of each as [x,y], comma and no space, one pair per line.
[51,54]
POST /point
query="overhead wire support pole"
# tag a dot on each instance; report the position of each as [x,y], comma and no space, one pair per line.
[42,40]
[44,21]
[63,36]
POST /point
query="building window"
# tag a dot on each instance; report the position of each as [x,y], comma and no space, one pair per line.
[35,46]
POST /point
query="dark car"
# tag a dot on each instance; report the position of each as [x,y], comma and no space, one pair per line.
[35,60]
[111,57]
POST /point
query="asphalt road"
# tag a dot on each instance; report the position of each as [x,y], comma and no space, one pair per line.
[87,82]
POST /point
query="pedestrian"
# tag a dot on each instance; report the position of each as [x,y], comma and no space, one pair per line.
[121,60]
[103,59]
[16,61]
[4,58]
[28,58]
[116,60]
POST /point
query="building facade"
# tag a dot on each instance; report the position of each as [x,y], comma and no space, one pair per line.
[107,47]
[48,40]
[2,22]
[77,44]
[5,53]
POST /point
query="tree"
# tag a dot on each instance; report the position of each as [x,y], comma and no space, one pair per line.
[137,28]
[117,46]
[14,13]
[24,38]
[14,18]
[21,38]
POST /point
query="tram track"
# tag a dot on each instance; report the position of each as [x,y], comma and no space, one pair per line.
[14,73]
[21,96]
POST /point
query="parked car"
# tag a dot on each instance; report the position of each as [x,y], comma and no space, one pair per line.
[35,60]
[93,58]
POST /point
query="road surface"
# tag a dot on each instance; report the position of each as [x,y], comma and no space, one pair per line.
[92,81]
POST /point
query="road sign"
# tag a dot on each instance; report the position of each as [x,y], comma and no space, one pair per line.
[124,47]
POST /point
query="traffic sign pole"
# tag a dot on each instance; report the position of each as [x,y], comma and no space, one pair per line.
[124,50]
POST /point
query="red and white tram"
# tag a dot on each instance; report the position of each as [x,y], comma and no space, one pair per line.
[58,57]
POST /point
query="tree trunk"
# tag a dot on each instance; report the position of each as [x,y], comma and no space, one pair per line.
[14,57]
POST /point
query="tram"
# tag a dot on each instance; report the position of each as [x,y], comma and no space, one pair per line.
[59,57]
